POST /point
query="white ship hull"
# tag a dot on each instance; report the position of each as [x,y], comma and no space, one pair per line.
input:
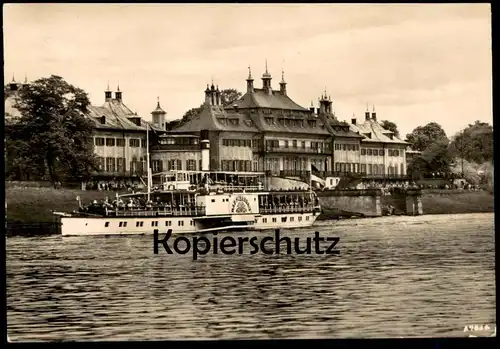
[91,226]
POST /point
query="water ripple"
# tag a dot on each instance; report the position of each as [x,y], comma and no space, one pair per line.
[395,276]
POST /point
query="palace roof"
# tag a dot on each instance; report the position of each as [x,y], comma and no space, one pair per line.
[374,132]
[116,117]
[261,99]
[215,118]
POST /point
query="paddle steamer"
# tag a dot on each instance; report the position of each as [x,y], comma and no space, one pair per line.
[195,201]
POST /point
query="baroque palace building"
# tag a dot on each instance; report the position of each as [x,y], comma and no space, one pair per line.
[119,138]
[263,131]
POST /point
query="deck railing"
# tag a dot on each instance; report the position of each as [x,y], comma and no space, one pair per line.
[166,211]
[288,209]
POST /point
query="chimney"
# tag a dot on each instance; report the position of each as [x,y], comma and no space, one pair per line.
[250,88]
[353,121]
[374,114]
[107,94]
[367,115]
[235,107]
[103,120]
[13,84]
[317,110]
[118,94]
[208,97]
[205,150]
[283,84]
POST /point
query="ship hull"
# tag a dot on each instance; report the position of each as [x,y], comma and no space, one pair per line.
[91,226]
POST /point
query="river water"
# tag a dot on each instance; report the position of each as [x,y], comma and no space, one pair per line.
[424,276]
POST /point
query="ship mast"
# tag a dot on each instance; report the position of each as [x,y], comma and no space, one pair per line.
[147,160]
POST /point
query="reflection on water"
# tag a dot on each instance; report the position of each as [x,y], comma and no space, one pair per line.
[394,276]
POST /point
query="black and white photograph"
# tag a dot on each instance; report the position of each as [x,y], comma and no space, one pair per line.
[242,171]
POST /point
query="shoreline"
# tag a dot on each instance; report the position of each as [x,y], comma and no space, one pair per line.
[34,205]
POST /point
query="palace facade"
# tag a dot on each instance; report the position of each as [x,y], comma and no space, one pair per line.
[264,131]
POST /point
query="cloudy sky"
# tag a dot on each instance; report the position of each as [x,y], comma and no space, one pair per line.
[416,63]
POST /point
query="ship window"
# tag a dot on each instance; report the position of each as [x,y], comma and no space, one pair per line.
[291,219]
[213,200]
[139,224]
[120,224]
[154,224]
[181,223]
[274,220]
[124,224]
[168,223]
[191,223]
[283,219]
[106,224]
[264,220]
[307,218]
[300,218]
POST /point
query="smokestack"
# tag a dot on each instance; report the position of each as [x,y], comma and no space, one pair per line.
[205,150]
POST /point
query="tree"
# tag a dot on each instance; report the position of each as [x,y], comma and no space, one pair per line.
[391,126]
[436,158]
[474,143]
[229,95]
[53,135]
[424,136]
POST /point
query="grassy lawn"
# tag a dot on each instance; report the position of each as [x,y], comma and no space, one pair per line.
[31,204]
[467,202]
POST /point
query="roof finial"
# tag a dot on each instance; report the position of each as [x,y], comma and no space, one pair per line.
[25,78]
[118,86]
[158,101]
[266,67]
[374,107]
[13,79]
[282,75]
[108,86]
[249,73]
[312,103]
[367,107]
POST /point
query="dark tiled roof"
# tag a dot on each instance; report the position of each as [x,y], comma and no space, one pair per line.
[259,118]
[340,129]
[215,118]
[376,131]
[260,99]
[116,116]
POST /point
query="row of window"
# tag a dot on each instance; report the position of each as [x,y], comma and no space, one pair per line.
[238,165]
[179,141]
[283,219]
[274,143]
[368,168]
[346,147]
[291,122]
[138,224]
[239,143]
[380,152]
[119,142]
[110,164]
[175,165]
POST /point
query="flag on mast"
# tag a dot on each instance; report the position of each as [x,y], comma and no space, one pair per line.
[315,179]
